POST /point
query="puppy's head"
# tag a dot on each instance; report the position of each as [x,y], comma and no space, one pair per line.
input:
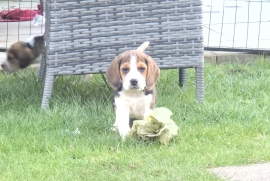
[22,54]
[18,55]
[133,70]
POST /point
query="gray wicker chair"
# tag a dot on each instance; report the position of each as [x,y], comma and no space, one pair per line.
[83,37]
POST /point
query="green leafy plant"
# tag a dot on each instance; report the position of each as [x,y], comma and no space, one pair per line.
[158,126]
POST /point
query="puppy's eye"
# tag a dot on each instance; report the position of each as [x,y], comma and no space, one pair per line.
[125,70]
[141,69]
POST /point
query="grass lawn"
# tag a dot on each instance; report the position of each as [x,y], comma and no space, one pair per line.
[231,127]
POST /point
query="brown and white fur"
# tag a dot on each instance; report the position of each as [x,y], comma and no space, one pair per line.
[22,54]
[133,75]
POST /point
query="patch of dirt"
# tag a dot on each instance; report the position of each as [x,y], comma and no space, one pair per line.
[254,172]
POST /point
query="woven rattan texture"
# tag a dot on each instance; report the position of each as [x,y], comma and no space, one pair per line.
[85,36]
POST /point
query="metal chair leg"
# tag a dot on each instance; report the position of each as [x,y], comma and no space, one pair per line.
[182,76]
[200,84]
[47,91]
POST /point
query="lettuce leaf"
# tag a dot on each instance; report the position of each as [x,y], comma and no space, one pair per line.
[158,126]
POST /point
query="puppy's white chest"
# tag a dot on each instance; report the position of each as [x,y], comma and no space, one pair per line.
[137,102]
[138,108]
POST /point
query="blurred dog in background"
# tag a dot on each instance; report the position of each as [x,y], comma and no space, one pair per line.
[23,54]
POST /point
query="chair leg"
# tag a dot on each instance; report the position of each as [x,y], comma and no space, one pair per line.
[200,84]
[47,91]
[182,76]
[42,70]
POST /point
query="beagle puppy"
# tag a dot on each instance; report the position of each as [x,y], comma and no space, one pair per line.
[133,76]
[22,54]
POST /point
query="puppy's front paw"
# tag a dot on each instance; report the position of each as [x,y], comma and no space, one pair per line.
[123,131]
[114,129]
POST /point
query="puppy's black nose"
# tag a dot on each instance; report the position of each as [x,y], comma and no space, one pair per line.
[3,66]
[133,82]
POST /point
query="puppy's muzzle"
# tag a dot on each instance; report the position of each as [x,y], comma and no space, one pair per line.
[4,67]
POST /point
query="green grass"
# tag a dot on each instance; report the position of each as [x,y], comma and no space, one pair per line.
[231,127]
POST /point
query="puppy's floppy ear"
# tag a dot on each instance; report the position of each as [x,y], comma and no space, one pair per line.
[113,74]
[152,73]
